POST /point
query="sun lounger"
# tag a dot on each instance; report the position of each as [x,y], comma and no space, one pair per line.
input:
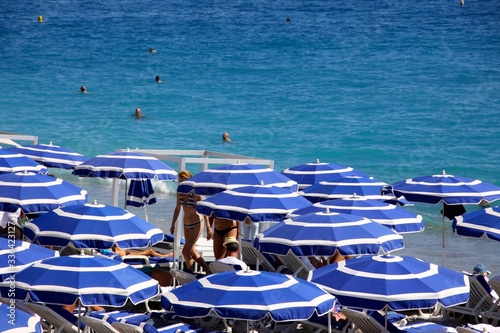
[148,328]
[296,265]
[254,258]
[181,277]
[375,323]
[59,323]
[120,316]
[99,325]
[218,267]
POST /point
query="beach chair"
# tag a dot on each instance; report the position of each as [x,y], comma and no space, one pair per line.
[218,267]
[98,325]
[480,304]
[181,277]
[253,257]
[57,323]
[148,328]
[461,329]
[320,324]
[296,265]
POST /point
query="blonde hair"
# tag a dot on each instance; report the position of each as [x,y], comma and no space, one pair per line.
[184,174]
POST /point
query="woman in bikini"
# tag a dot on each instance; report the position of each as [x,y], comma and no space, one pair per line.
[222,229]
[193,225]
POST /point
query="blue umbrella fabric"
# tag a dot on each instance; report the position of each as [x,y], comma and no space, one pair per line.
[347,187]
[400,283]
[391,216]
[37,193]
[13,162]
[322,233]
[478,223]
[141,193]
[125,165]
[249,295]
[312,173]
[17,321]
[259,203]
[16,255]
[231,176]
[51,156]
[90,280]
[92,226]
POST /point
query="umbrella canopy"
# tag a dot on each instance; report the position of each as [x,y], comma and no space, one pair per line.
[345,187]
[391,216]
[400,283]
[16,255]
[249,295]
[13,162]
[91,280]
[479,223]
[92,226]
[231,176]
[321,234]
[17,321]
[258,203]
[141,193]
[446,188]
[125,165]
[50,155]
[312,173]
[37,193]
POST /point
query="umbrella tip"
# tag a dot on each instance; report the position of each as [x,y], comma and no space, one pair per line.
[317,160]
[238,162]
[327,210]
[444,172]
[261,182]
[95,202]
[50,143]
[82,252]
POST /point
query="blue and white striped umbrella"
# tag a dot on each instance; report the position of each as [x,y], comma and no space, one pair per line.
[125,165]
[321,234]
[391,216]
[249,295]
[400,283]
[92,226]
[446,188]
[231,176]
[50,155]
[37,193]
[16,255]
[91,280]
[478,223]
[346,187]
[141,193]
[17,321]
[13,162]
[260,203]
[312,173]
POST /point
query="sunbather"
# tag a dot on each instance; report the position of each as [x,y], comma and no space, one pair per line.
[148,252]
[481,273]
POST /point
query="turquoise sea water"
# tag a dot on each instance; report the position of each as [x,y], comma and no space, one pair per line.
[397,89]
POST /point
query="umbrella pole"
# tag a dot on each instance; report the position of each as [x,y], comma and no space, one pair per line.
[330,321]
[443,246]
[146,212]
[126,185]
[79,313]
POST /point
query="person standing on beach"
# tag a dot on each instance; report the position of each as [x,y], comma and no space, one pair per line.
[193,225]
[222,229]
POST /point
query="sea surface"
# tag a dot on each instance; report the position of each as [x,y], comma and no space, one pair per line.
[397,89]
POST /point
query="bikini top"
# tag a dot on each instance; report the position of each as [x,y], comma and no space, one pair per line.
[190,201]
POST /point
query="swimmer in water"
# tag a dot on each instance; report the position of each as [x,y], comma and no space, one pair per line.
[157,78]
[83,89]
[152,50]
[138,113]
[225,137]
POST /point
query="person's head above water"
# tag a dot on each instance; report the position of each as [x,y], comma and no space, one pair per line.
[157,78]
[138,113]
[225,136]
[83,89]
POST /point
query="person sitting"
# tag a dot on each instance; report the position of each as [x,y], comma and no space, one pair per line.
[147,252]
[232,253]
[480,272]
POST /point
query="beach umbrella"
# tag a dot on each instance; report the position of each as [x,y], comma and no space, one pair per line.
[392,282]
[312,173]
[231,176]
[141,194]
[366,187]
[259,203]
[17,321]
[323,233]
[249,295]
[449,189]
[82,279]
[125,165]
[389,215]
[17,254]
[37,193]
[92,226]
[13,162]
[50,155]
[478,223]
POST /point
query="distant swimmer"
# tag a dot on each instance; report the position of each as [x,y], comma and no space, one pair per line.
[225,137]
[40,19]
[288,20]
[157,78]
[138,113]
[83,89]
[462,3]
[152,50]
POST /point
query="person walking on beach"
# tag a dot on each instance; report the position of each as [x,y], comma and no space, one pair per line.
[222,229]
[193,225]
